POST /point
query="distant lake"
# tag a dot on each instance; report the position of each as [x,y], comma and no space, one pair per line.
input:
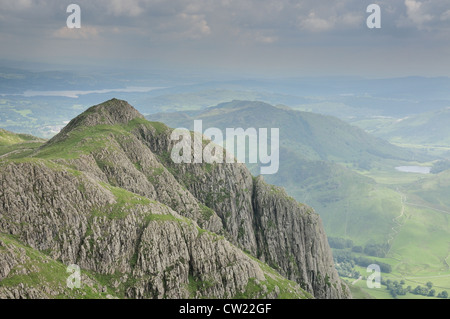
[76,94]
[414,169]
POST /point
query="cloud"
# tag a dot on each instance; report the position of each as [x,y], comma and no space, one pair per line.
[220,30]
[16,5]
[416,13]
[132,8]
[352,20]
[85,32]
[266,39]
[314,23]
[445,16]
[195,26]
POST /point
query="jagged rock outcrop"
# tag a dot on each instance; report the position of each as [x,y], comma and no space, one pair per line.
[291,238]
[104,194]
[26,273]
[149,250]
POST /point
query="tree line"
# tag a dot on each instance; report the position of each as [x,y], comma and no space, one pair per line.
[396,288]
[347,258]
[375,250]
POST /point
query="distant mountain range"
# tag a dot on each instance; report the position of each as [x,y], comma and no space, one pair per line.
[71,92]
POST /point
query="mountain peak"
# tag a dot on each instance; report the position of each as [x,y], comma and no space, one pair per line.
[241,104]
[111,112]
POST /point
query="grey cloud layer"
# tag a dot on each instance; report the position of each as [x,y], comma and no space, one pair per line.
[206,24]
[205,17]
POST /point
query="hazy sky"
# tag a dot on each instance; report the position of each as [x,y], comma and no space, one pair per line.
[301,37]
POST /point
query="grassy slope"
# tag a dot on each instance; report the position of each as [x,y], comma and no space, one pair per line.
[434,191]
[427,131]
[351,205]
[431,128]
[9,138]
[420,249]
[12,143]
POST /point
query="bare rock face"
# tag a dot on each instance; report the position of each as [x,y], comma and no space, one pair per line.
[104,194]
[292,239]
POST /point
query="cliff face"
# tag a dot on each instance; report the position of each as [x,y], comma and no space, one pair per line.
[105,195]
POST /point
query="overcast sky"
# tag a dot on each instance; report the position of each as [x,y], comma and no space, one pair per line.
[281,37]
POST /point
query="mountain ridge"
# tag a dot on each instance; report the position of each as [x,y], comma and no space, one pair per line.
[318,137]
[125,165]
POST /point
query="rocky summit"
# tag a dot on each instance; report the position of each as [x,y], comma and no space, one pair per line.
[104,195]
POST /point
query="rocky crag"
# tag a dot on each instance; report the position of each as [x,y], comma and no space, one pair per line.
[105,195]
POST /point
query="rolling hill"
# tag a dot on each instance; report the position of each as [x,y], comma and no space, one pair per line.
[312,136]
[430,128]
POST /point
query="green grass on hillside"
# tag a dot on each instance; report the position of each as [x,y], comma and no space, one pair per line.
[8,138]
[86,139]
[17,145]
[423,242]
[45,273]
